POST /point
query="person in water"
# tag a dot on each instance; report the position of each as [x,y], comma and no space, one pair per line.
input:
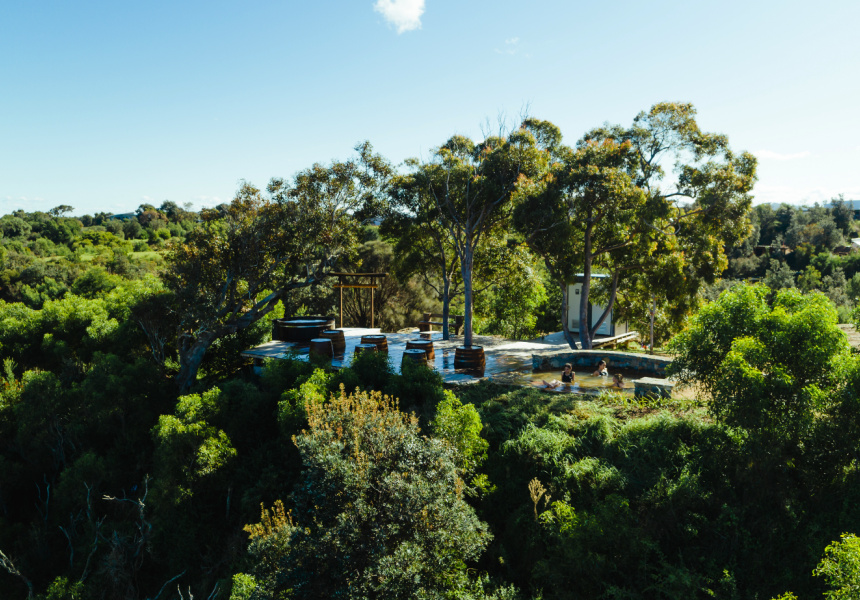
[567,377]
[601,371]
[618,381]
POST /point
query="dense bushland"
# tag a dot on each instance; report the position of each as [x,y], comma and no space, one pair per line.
[112,485]
[140,458]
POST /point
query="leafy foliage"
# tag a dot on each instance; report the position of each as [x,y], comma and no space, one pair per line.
[769,364]
[380,508]
[841,568]
[247,257]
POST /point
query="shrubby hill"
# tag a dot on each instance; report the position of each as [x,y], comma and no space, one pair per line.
[141,459]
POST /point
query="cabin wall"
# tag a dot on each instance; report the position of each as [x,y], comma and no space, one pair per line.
[608,328]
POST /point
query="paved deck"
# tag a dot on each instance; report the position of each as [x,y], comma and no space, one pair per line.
[505,359]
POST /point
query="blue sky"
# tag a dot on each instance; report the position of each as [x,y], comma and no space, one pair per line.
[106,105]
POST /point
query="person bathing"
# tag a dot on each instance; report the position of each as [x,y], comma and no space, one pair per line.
[601,371]
[567,377]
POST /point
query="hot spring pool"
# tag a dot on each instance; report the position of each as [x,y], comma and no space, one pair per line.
[584,381]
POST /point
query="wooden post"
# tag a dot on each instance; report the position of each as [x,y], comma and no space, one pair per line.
[341,283]
[653,310]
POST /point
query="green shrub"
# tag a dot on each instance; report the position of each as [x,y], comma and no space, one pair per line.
[379,509]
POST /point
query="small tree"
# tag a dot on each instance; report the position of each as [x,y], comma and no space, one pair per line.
[379,510]
[769,361]
[472,187]
[250,254]
[841,568]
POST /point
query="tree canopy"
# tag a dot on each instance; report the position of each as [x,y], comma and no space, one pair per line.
[468,189]
[770,361]
[247,256]
[379,512]
[608,196]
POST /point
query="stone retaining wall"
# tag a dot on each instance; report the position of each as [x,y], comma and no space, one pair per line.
[588,359]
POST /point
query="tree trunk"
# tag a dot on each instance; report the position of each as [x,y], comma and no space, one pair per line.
[466,269]
[191,358]
[653,310]
[584,325]
[608,308]
[446,308]
[565,305]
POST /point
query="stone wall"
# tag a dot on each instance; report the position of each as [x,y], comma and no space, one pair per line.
[587,360]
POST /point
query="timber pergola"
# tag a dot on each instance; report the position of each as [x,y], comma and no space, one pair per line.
[342,283]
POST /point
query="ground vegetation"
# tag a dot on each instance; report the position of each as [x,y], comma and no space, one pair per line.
[365,482]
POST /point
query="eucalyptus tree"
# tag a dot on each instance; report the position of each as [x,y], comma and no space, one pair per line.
[467,191]
[426,248]
[608,193]
[581,210]
[686,225]
[246,257]
[424,245]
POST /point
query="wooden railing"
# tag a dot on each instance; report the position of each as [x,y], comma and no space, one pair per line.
[427,322]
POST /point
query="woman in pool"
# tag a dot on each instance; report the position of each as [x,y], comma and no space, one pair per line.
[601,371]
[567,377]
[618,381]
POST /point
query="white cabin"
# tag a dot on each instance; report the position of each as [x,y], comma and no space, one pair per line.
[574,294]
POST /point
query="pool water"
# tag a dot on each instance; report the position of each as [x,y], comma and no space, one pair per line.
[584,382]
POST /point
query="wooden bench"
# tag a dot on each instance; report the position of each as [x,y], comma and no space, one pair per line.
[613,341]
[427,322]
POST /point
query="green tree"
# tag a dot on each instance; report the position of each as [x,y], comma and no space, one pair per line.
[840,567]
[379,511]
[14,227]
[472,187]
[173,212]
[132,229]
[60,210]
[511,291]
[61,231]
[152,219]
[460,426]
[188,448]
[687,223]
[770,362]
[608,195]
[779,275]
[809,280]
[842,215]
[424,247]
[249,255]
[544,217]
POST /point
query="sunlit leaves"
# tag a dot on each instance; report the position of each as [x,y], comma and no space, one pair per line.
[769,364]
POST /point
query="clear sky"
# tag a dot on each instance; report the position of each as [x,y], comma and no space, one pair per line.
[107,105]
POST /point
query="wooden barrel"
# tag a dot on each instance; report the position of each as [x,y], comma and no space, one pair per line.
[278,332]
[359,348]
[338,343]
[469,357]
[414,355]
[302,330]
[380,340]
[425,345]
[329,319]
[321,347]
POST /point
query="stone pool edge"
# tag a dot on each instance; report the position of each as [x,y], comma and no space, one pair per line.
[643,363]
